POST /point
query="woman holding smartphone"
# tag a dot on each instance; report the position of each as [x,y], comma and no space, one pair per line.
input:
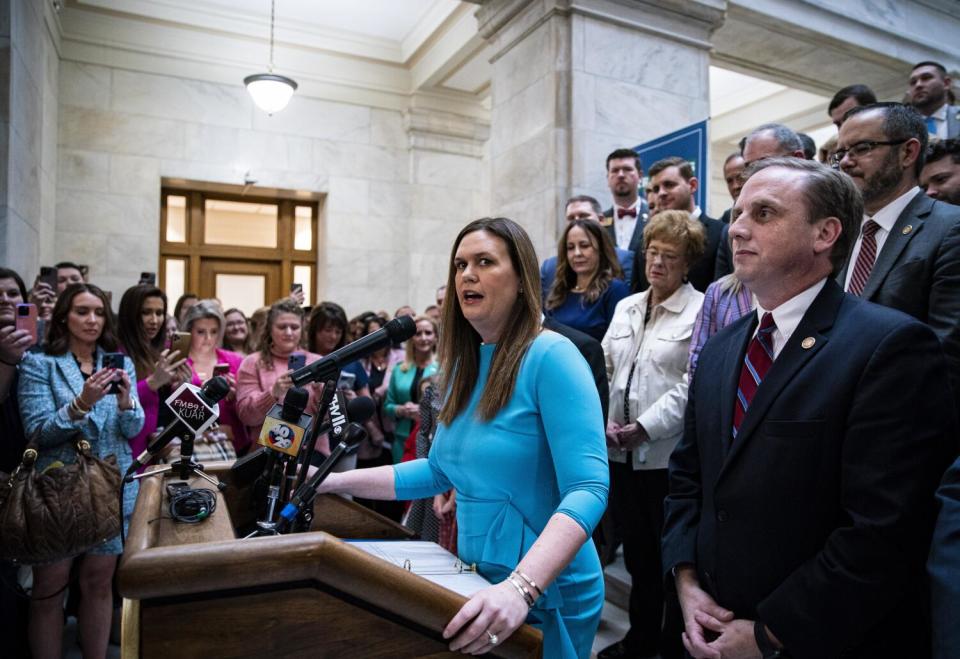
[141,326]
[205,323]
[264,376]
[14,342]
[64,391]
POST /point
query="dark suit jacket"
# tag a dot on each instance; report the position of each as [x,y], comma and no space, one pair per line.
[701,272]
[636,240]
[944,568]
[918,272]
[724,262]
[816,520]
[590,348]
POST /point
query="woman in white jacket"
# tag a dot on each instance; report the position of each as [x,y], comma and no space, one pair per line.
[646,350]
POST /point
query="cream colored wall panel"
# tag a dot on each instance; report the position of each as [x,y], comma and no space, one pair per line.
[118,132]
[84,170]
[168,97]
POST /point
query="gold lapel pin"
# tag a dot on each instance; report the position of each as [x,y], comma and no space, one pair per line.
[907,229]
[807,343]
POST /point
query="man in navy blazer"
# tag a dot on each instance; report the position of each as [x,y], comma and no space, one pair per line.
[944,568]
[916,239]
[801,525]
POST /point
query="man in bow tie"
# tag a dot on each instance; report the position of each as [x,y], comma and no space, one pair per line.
[628,215]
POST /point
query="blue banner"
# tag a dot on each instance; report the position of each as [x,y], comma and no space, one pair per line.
[689,143]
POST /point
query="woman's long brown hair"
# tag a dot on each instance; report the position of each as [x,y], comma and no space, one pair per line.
[608,265]
[58,336]
[460,342]
[143,351]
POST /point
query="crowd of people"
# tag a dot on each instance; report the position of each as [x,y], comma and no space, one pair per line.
[760,407]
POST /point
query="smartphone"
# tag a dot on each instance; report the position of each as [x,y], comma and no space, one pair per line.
[296,360]
[48,275]
[295,287]
[181,343]
[27,319]
[346,381]
[148,278]
[113,360]
[221,369]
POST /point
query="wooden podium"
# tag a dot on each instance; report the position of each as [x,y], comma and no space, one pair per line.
[195,590]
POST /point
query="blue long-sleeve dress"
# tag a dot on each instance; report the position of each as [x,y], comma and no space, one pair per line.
[543,453]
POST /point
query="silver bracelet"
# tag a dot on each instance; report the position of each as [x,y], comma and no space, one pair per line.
[524,593]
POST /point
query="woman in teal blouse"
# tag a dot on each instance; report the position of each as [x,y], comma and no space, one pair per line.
[521,440]
[403,394]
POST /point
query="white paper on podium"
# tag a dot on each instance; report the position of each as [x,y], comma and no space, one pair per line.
[428,560]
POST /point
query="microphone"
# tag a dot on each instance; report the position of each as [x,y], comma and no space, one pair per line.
[359,409]
[285,425]
[306,493]
[398,329]
[195,410]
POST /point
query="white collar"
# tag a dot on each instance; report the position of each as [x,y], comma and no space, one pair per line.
[887,216]
[695,213]
[789,314]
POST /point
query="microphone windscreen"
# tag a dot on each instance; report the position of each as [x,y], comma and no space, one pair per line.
[401,329]
[360,409]
[294,403]
[215,390]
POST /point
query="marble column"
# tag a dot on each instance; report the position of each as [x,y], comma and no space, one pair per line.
[575,79]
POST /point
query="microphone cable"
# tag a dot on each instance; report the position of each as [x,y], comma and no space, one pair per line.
[192,506]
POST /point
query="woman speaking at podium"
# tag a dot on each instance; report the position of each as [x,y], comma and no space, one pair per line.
[521,439]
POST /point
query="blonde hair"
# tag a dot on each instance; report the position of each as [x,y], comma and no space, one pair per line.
[409,360]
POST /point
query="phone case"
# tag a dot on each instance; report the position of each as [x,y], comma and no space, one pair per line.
[27,321]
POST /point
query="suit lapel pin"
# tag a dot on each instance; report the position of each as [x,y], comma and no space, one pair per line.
[807,343]
[907,229]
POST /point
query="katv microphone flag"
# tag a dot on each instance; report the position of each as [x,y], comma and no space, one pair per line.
[285,426]
[398,329]
[195,409]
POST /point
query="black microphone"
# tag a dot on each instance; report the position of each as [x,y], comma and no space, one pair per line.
[359,409]
[194,411]
[282,433]
[306,493]
[398,329]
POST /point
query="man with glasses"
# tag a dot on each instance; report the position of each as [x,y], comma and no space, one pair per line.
[907,253]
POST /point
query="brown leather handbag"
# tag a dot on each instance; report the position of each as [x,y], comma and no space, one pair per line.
[62,512]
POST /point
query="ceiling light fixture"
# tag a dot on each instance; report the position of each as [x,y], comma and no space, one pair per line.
[270,91]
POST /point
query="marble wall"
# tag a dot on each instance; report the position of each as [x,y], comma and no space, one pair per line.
[389,212]
[28,136]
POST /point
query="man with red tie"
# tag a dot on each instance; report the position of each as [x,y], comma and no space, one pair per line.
[906,252]
[628,215]
[801,507]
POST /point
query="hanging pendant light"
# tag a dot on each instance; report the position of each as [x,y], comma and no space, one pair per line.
[270,91]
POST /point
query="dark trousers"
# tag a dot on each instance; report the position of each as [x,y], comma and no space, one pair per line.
[636,500]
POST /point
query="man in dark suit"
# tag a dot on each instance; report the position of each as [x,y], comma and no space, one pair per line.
[944,566]
[628,215]
[581,207]
[673,185]
[929,93]
[907,251]
[801,495]
[767,141]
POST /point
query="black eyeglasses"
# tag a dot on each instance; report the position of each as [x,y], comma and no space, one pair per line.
[859,150]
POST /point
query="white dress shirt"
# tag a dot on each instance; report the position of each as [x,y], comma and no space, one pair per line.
[886,217]
[625,226]
[789,314]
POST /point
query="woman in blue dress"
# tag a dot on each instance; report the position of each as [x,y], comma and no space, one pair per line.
[521,440]
[64,391]
[588,283]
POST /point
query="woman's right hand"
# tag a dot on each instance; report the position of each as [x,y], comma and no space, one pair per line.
[281,386]
[44,297]
[96,387]
[613,434]
[13,343]
[166,370]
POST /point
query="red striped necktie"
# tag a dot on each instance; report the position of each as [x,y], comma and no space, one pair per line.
[756,363]
[865,259]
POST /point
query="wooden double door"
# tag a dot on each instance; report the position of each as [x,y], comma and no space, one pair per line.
[247,285]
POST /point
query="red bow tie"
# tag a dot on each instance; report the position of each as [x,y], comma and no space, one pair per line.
[632,212]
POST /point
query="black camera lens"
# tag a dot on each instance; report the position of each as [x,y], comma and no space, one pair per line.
[23,311]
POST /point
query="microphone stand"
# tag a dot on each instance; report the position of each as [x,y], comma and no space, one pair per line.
[184,466]
[308,449]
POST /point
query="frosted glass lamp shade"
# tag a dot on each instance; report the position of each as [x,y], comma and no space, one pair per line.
[269,91]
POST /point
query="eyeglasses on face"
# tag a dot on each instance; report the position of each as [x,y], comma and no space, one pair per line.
[860,149]
[666,257]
